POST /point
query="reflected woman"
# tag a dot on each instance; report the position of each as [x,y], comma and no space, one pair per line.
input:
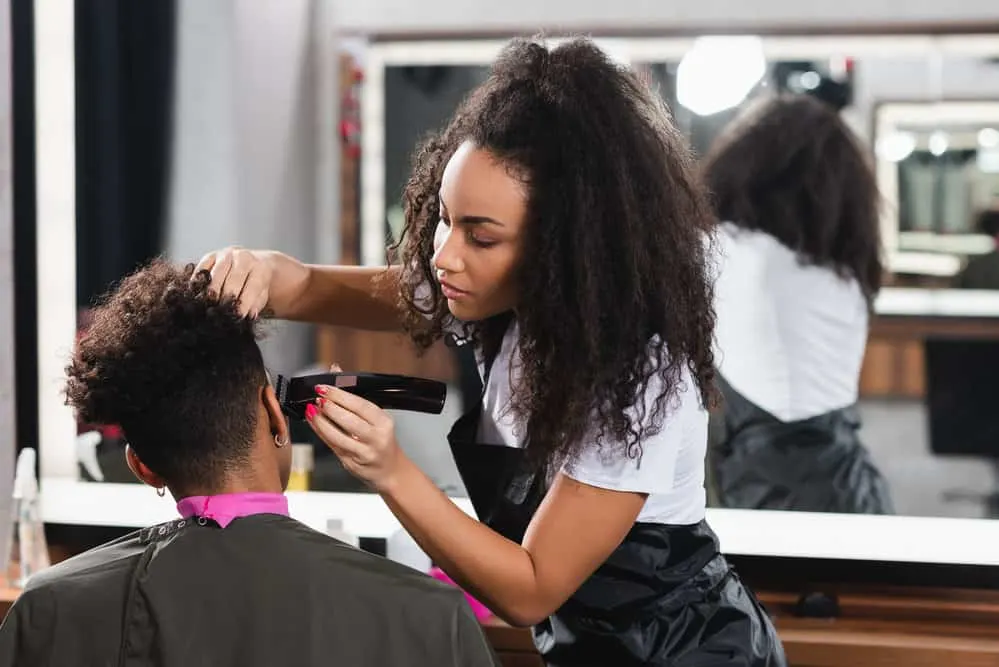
[798,271]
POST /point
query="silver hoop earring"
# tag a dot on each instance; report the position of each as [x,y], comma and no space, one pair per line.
[280,441]
[161,491]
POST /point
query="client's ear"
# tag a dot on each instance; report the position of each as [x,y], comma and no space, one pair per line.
[278,425]
[141,470]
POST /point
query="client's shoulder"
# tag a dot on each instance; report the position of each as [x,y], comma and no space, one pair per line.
[90,573]
[347,568]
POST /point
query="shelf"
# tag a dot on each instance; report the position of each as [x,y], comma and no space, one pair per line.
[961,244]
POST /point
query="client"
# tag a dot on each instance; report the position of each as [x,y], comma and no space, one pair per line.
[234,581]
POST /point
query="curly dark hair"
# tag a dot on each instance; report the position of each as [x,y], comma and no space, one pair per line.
[790,167]
[177,369]
[616,239]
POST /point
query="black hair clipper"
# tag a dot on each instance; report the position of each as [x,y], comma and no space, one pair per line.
[391,392]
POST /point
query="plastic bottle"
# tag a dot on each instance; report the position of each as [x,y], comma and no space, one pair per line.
[302,465]
[28,551]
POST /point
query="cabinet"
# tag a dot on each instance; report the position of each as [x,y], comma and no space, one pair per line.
[893,364]
[878,627]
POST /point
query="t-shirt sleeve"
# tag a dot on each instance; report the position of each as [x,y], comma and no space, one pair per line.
[606,465]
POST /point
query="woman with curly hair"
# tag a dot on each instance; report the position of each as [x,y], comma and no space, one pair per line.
[233,580]
[557,226]
[798,273]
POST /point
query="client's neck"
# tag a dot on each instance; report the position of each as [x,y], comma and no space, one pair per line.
[237,481]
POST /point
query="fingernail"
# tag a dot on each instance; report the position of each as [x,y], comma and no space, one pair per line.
[310,411]
[320,401]
[322,389]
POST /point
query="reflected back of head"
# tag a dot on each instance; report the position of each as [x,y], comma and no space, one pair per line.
[790,167]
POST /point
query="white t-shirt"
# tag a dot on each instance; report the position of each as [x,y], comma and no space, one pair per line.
[670,470]
[789,337]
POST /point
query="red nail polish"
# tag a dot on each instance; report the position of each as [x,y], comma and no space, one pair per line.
[322,389]
[310,411]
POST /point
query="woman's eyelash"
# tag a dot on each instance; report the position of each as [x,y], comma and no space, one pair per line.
[482,243]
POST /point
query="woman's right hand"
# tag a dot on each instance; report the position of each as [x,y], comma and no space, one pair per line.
[259,279]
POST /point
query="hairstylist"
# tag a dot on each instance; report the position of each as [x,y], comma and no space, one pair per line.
[558,226]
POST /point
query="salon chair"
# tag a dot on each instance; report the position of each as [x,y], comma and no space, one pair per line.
[962,387]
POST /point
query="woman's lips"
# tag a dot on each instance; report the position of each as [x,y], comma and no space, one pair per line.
[452,292]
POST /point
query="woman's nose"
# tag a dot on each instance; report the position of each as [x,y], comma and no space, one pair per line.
[447,254]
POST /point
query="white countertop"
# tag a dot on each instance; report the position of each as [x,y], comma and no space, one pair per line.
[741,532]
[914,301]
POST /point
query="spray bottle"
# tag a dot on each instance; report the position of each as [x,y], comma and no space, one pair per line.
[29,550]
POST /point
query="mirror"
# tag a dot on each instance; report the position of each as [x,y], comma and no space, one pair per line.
[913,408]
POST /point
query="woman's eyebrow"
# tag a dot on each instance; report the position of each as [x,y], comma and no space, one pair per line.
[468,219]
[478,220]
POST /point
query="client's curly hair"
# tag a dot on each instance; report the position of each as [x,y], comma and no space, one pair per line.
[615,285]
[789,166]
[177,369]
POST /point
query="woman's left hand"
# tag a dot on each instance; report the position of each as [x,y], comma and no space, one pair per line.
[360,433]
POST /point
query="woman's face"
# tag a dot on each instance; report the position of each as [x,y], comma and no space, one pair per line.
[477,244]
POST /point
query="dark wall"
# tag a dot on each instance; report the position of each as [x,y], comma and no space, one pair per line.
[419,100]
[125,57]
[25,265]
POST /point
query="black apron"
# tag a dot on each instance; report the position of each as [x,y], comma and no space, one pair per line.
[814,465]
[665,596]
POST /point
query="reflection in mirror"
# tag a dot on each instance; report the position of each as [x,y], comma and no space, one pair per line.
[418,99]
[938,166]
[798,270]
[938,174]
[900,385]
[797,274]
[701,112]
